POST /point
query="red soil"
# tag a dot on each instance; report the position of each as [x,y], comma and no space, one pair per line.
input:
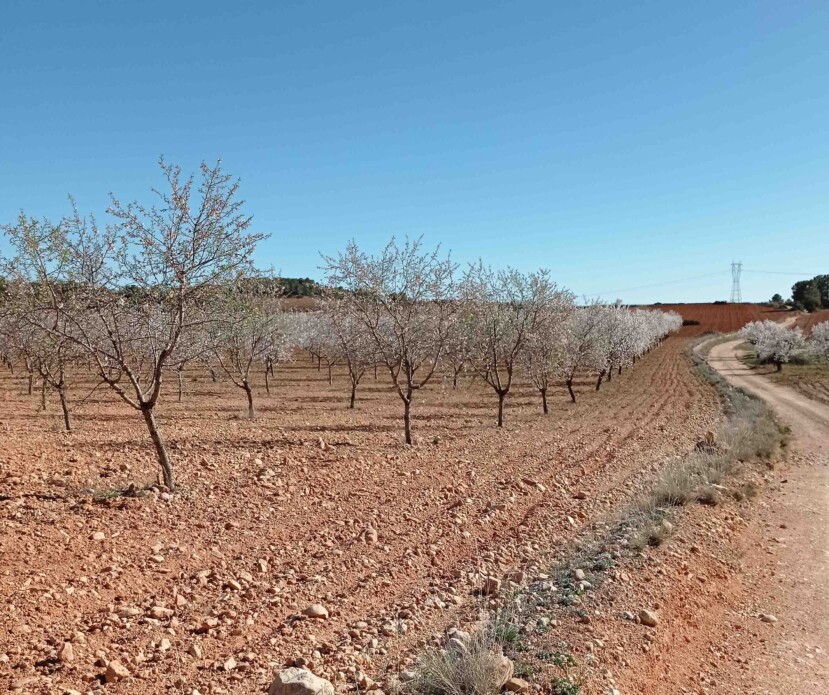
[722,318]
[808,321]
[280,512]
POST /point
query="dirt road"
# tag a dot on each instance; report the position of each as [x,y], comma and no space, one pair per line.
[789,566]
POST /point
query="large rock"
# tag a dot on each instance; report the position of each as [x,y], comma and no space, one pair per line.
[648,618]
[504,669]
[316,610]
[299,681]
[115,672]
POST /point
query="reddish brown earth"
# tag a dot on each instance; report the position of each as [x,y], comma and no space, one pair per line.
[722,318]
[278,513]
[808,321]
[205,591]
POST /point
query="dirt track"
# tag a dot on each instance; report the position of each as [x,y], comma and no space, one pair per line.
[788,572]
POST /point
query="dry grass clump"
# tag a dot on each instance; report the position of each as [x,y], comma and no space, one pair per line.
[477,666]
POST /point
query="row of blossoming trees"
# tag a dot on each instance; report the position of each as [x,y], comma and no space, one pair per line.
[171,286]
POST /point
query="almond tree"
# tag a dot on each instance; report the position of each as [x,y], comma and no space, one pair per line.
[581,346]
[505,307]
[819,340]
[250,332]
[173,254]
[405,299]
[54,356]
[542,352]
[772,342]
[353,342]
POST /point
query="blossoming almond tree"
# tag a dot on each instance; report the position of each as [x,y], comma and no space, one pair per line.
[505,308]
[819,340]
[773,342]
[171,256]
[405,298]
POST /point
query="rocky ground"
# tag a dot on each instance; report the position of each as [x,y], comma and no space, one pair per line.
[310,536]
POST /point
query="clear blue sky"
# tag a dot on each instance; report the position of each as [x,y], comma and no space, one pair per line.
[618,144]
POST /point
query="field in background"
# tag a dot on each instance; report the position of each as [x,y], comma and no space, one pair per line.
[722,318]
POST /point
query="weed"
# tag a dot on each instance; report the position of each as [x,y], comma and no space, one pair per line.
[562,686]
[477,670]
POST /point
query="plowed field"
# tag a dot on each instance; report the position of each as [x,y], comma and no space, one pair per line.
[723,318]
[309,503]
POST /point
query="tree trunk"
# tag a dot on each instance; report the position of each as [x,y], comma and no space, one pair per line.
[375,372]
[353,395]
[43,393]
[67,418]
[570,389]
[599,380]
[249,394]
[213,375]
[31,383]
[180,385]
[609,373]
[779,366]
[620,370]
[501,396]
[267,382]
[407,419]
[544,401]
[330,377]
[160,447]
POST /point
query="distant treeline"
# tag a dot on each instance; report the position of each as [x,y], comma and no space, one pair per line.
[282,287]
[811,295]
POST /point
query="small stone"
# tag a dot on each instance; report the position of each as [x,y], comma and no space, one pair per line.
[230,664]
[316,610]
[66,652]
[98,536]
[195,650]
[505,670]
[768,618]
[161,613]
[579,575]
[116,671]
[648,618]
[299,681]
[516,685]
[580,495]
[492,585]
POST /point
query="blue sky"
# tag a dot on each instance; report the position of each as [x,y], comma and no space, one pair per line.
[620,145]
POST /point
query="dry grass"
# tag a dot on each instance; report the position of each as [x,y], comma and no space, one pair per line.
[477,666]
[750,432]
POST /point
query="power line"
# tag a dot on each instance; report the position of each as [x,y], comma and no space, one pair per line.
[667,282]
[779,272]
